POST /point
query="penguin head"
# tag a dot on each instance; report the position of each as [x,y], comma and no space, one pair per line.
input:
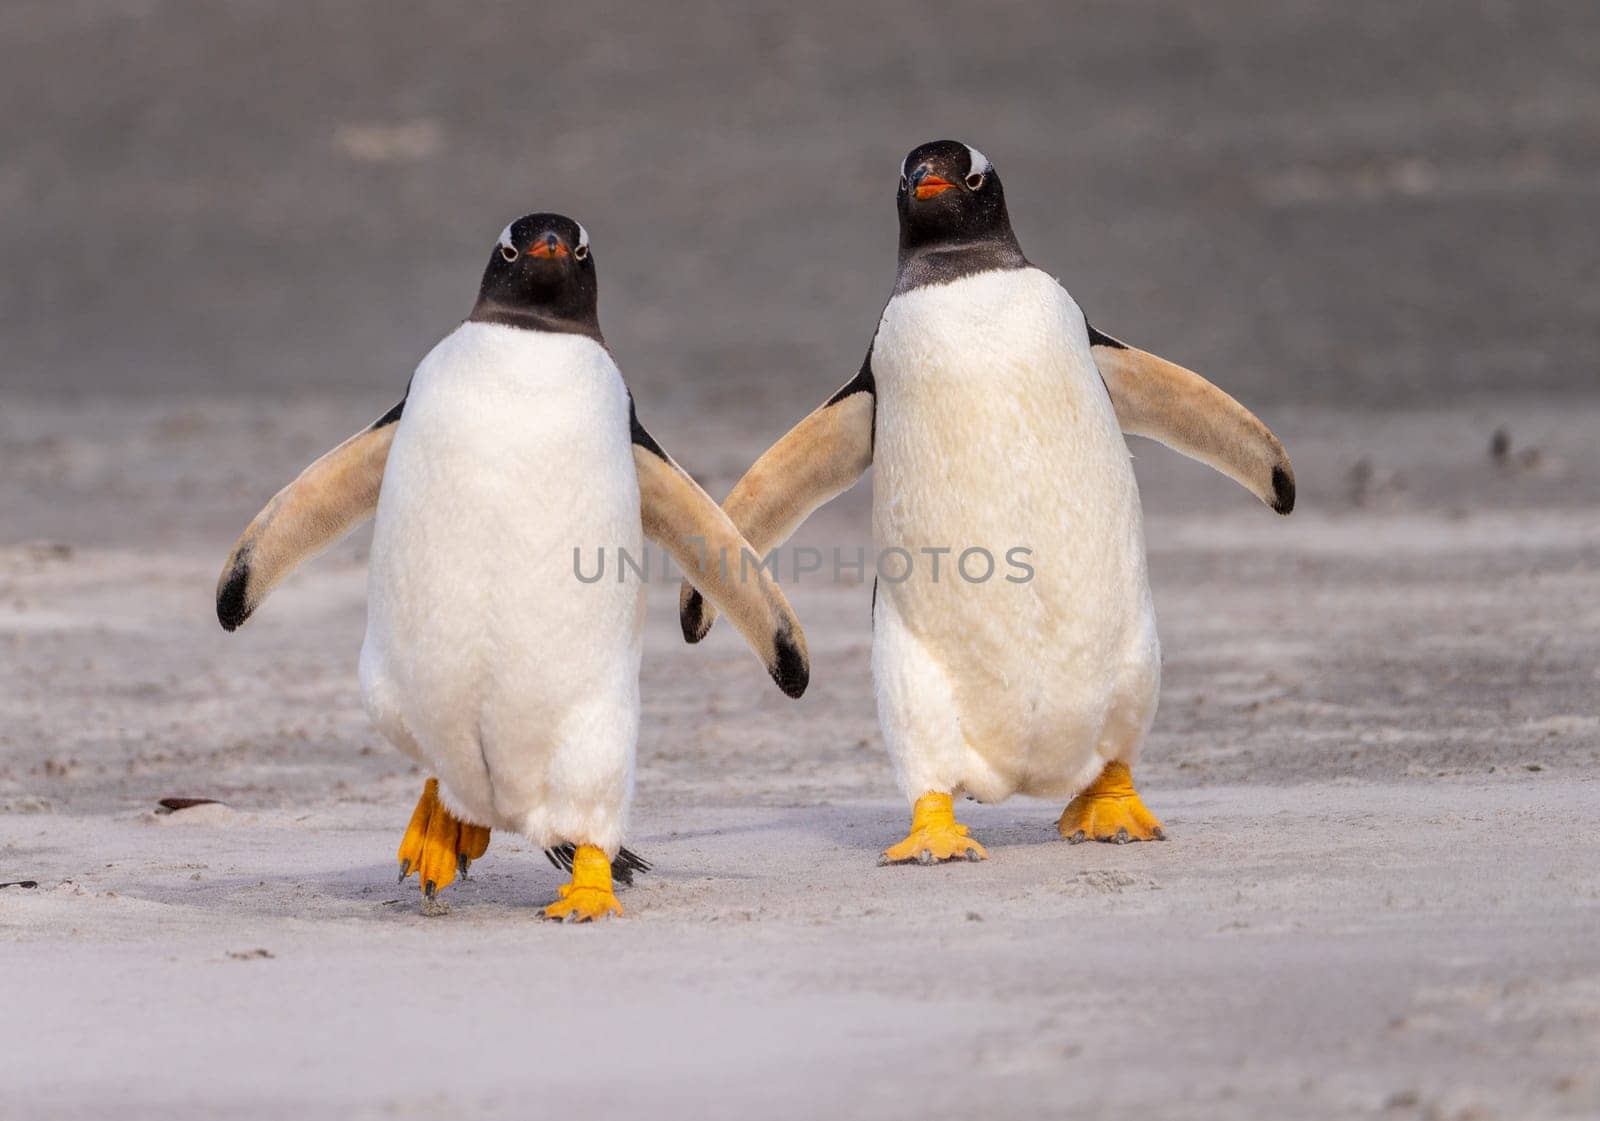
[542,270]
[950,197]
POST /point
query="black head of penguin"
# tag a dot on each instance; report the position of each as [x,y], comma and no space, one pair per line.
[541,276]
[953,219]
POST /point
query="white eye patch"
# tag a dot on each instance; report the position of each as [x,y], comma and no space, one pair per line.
[583,236]
[980,162]
[505,238]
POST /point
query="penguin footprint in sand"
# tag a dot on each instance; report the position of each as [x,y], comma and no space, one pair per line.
[992,414]
[487,660]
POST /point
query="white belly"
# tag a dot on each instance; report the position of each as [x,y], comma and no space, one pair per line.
[485,657]
[994,431]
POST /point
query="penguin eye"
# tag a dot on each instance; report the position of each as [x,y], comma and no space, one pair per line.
[974,180]
[508,252]
[581,253]
[903,182]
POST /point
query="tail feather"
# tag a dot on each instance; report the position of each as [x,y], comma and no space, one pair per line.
[623,865]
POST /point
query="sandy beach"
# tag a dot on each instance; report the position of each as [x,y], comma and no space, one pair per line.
[1377,755]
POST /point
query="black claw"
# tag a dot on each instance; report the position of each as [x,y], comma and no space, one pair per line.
[430,889]
[405,870]
[462,861]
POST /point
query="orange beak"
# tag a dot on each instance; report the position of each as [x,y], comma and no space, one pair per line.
[931,185]
[548,247]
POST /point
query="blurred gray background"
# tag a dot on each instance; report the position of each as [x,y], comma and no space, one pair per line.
[1312,202]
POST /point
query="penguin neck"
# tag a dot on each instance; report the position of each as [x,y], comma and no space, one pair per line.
[556,321]
[940,262]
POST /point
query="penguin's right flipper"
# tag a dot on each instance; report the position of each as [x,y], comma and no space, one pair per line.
[1181,409]
[683,519]
[329,499]
[817,460]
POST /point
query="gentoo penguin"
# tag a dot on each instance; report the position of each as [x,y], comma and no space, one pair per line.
[489,658]
[993,415]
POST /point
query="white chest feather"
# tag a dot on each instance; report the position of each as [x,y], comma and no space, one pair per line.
[513,451]
[994,432]
[513,448]
[993,427]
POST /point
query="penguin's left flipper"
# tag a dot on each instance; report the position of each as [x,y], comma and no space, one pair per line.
[682,518]
[329,498]
[1181,409]
[816,461]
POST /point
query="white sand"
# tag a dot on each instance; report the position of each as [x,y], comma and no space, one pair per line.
[1377,754]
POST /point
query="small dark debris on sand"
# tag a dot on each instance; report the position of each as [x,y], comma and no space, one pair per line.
[47,550]
[173,805]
